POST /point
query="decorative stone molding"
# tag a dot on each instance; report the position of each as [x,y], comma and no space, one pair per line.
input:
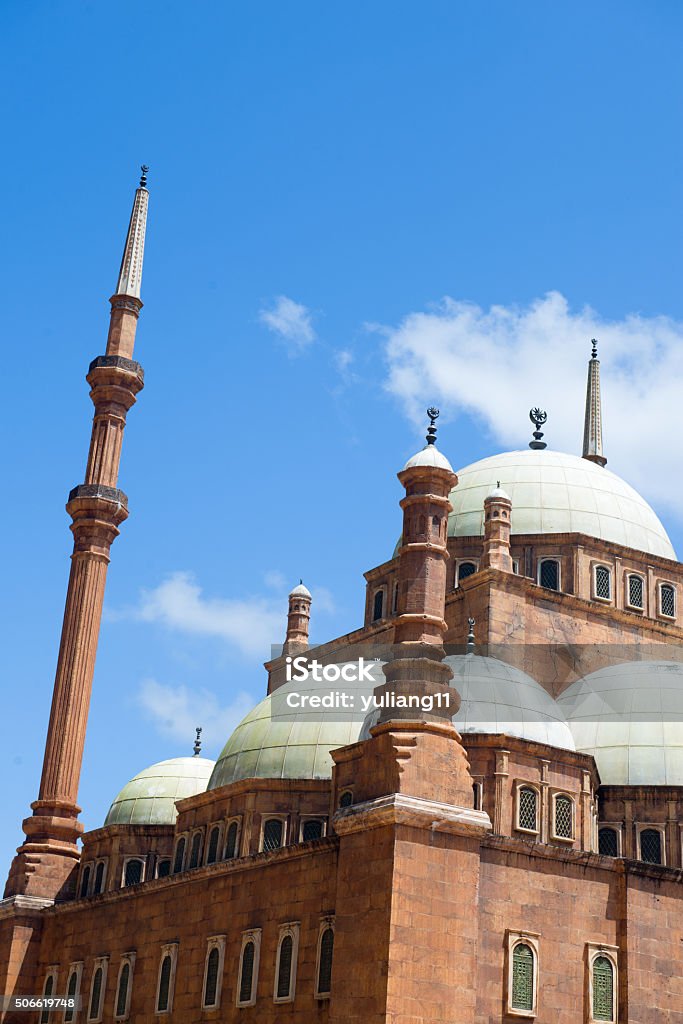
[399,809]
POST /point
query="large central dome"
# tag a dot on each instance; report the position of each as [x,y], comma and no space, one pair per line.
[557,493]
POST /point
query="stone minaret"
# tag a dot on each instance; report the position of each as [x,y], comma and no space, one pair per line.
[592,430]
[44,863]
[298,620]
[497,513]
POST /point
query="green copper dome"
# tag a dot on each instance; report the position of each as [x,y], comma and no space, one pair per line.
[149,798]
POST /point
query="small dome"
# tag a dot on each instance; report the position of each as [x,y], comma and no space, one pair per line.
[630,718]
[498,492]
[300,591]
[552,492]
[276,742]
[429,456]
[149,798]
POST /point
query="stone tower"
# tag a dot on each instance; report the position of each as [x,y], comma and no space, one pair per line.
[44,865]
[298,620]
[592,430]
[497,519]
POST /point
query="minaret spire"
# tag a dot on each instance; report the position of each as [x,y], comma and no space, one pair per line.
[44,865]
[592,430]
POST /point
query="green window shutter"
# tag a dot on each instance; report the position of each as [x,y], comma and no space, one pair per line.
[603,989]
[522,977]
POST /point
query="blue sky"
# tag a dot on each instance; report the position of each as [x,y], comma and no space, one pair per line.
[355,209]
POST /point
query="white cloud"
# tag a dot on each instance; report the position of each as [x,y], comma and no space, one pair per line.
[291,321]
[177,711]
[274,579]
[496,364]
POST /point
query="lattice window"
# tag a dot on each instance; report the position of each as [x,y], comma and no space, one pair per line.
[195,849]
[651,846]
[122,994]
[635,591]
[312,829]
[603,989]
[603,582]
[667,600]
[325,965]
[549,574]
[164,868]
[247,976]
[466,569]
[133,872]
[179,858]
[378,606]
[48,990]
[95,995]
[528,809]
[346,799]
[522,977]
[231,841]
[164,984]
[85,881]
[564,823]
[284,974]
[608,842]
[211,986]
[272,834]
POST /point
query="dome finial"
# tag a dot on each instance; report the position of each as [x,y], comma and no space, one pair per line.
[538,417]
[143,177]
[198,742]
[470,635]
[433,414]
[594,348]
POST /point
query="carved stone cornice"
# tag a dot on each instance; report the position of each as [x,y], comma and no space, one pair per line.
[401,809]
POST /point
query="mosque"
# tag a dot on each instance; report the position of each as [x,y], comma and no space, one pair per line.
[516,855]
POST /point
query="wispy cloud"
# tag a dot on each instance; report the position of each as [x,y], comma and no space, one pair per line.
[495,364]
[177,710]
[291,321]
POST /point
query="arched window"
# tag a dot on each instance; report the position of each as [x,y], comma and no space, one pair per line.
[273,830]
[212,852]
[195,849]
[179,858]
[527,809]
[608,842]
[98,885]
[133,871]
[651,846]
[667,600]
[122,992]
[164,868]
[72,992]
[211,982]
[394,600]
[326,950]
[85,881]
[164,994]
[346,799]
[96,995]
[48,991]
[476,796]
[603,989]
[563,825]
[231,841]
[247,972]
[312,828]
[523,971]
[636,591]
[466,569]
[549,573]
[603,582]
[436,526]
[378,605]
[284,968]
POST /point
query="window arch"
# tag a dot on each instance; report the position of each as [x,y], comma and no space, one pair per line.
[465,569]
[527,809]
[166,980]
[477,796]
[273,834]
[667,600]
[196,850]
[312,828]
[346,799]
[164,867]
[48,991]
[72,988]
[651,846]
[85,881]
[97,987]
[323,985]
[285,965]
[549,573]
[635,591]
[212,850]
[249,964]
[133,871]
[213,972]
[394,600]
[602,988]
[523,977]
[608,841]
[124,987]
[179,859]
[563,817]
[602,583]
[98,885]
[231,841]
[378,605]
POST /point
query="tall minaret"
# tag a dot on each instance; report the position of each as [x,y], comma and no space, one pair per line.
[592,430]
[44,863]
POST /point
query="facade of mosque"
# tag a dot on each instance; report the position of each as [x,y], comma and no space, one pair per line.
[487,828]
